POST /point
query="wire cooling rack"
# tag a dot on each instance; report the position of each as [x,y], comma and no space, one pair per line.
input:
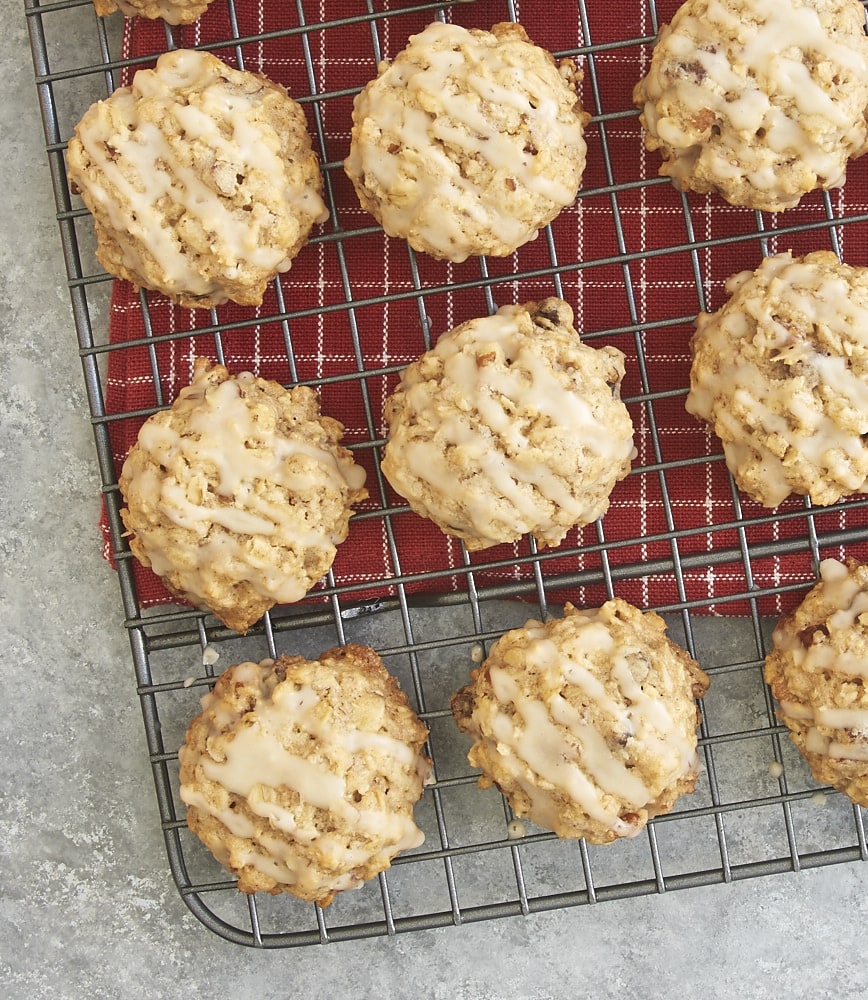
[636,260]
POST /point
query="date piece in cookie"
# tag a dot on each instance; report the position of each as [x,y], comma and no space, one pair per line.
[238,496]
[510,425]
[201,180]
[469,142]
[586,723]
[818,671]
[301,775]
[780,372]
[760,101]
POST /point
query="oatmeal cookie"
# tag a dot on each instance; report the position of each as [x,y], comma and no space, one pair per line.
[586,723]
[238,496]
[760,101]
[781,374]
[510,425]
[201,180]
[817,670]
[171,11]
[300,776]
[469,142]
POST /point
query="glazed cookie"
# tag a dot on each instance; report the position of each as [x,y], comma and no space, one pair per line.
[200,178]
[238,496]
[510,425]
[171,11]
[587,723]
[469,142]
[817,670]
[300,776]
[781,374]
[760,101]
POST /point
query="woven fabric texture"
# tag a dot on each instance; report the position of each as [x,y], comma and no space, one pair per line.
[634,258]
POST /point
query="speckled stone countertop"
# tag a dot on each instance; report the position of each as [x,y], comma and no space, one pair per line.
[88,908]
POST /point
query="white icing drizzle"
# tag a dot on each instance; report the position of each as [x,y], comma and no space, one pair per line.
[224,434]
[848,751]
[843,718]
[819,743]
[796,710]
[828,650]
[570,754]
[853,719]
[257,757]
[816,742]
[430,116]
[527,387]
[745,339]
[846,599]
[160,177]
[257,761]
[759,78]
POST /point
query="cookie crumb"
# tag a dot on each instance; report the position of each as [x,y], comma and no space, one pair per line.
[209,656]
[776,769]
[516,830]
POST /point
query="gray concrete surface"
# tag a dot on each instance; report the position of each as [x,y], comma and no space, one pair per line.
[87,906]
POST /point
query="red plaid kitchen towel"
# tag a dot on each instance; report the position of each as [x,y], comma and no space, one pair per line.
[633,258]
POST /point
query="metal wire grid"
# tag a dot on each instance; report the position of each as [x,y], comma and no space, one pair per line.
[745,819]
